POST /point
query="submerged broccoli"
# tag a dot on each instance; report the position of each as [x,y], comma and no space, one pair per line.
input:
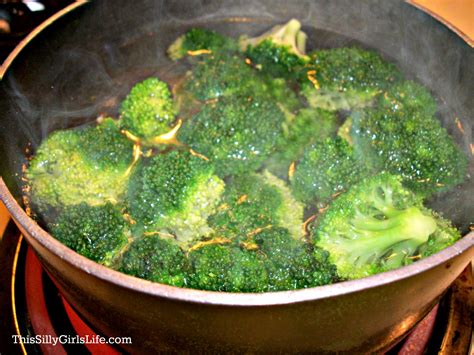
[401,135]
[327,168]
[96,232]
[290,263]
[219,75]
[174,193]
[309,126]
[236,133]
[156,259]
[279,52]
[225,267]
[276,263]
[253,202]
[199,39]
[80,165]
[148,111]
[346,78]
[379,225]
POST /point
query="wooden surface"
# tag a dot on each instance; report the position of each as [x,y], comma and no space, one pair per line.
[4,218]
[458,15]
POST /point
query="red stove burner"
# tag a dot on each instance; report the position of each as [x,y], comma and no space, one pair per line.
[41,321]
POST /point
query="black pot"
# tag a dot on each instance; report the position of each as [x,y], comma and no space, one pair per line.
[82,64]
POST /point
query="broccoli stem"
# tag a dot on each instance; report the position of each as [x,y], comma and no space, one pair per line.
[376,237]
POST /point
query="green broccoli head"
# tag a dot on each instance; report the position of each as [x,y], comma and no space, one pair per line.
[408,96]
[223,75]
[402,136]
[290,263]
[307,127]
[80,165]
[174,193]
[148,110]
[236,133]
[156,259]
[252,202]
[280,52]
[326,168]
[96,232]
[228,268]
[346,78]
[278,90]
[220,75]
[379,225]
[200,39]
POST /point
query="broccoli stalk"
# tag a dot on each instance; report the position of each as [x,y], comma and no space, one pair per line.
[379,225]
[288,35]
[279,52]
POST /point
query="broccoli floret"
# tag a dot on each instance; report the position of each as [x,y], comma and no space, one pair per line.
[277,90]
[401,135]
[408,96]
[307,127]
[256,201]
[326,168]
[148,110]
[227,268]
[96,232]
[199,39]
[80,165]
[379,225]
[174,193]
[156,259]
[346,78]
[290,263]
[279,52]
[236,133]
[219,75]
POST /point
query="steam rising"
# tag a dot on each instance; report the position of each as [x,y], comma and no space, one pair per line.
[83,67]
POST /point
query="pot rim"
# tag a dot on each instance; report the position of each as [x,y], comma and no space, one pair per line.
[198,296]
[117,278]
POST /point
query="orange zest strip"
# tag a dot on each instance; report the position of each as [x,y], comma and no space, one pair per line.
[242,199]
[312,77]
[291,169]
[196,154]
[218,240]
[306,223]
[258,230]
[199,52]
